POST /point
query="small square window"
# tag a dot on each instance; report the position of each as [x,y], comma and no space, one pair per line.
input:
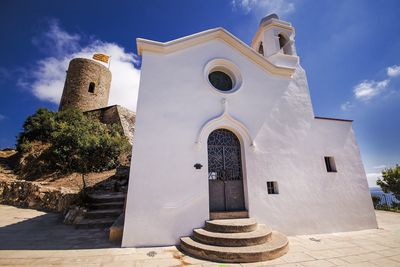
[272,187]
[330,164]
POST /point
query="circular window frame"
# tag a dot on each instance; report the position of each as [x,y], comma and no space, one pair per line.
[227,67]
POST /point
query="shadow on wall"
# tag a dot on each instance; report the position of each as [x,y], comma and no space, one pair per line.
[47,232]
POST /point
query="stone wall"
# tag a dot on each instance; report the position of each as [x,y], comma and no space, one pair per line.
[119,115]
[81,73]
[127,119]
[33,195]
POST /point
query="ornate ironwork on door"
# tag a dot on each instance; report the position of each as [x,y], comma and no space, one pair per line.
[225,171]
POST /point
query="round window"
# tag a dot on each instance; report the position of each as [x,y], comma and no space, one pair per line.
[220,80]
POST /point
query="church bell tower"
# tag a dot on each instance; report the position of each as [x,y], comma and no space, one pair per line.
[274,40]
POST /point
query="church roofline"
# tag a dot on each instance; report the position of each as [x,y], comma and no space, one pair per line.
[201,37]
[332,119]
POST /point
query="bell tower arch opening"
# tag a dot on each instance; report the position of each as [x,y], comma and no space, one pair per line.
[261,49]
[284,44]
[275,40]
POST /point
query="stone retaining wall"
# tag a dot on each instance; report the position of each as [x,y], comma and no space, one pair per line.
[119,115]
[33,195]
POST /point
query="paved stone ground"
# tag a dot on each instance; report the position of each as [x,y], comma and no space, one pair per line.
[33,238]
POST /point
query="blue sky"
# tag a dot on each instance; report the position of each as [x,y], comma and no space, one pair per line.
[349,49]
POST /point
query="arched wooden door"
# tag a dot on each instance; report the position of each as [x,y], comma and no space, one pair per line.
[225,176]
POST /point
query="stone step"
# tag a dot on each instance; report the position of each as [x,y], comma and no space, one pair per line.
[107,205]
[107,197]
[259,236]
[117,229]
[231,225]
[274,248]
[95,223]
[97,214]
[218,215]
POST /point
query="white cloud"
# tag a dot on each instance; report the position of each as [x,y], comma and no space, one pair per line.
[366,90]
[379,167]
[2,117]
[280,7]
[346,106]
[393,71]
[4,74]
[372,177]
[56,40]
[48,77]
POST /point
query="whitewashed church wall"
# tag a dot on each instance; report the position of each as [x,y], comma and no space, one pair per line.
[168,197]
[311,200]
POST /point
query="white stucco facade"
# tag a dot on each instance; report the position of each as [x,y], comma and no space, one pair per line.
[269,110]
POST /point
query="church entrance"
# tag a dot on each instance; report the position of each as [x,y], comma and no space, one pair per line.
[225,176]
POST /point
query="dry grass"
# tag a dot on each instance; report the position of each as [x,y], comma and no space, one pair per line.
[71,181]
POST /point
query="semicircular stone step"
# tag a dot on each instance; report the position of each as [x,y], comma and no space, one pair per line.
[231,225]
[259,236]
[274,248]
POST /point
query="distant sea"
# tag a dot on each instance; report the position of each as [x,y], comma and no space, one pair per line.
[386,198]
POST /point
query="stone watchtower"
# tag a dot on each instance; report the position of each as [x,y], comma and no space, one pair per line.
[87,85]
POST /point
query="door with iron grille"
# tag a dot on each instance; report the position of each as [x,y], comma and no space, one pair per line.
[225,176]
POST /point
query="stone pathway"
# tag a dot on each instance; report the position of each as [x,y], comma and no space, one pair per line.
[33,238]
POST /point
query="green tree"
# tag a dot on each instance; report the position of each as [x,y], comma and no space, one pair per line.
[38,126]
[390,181]
[74,142]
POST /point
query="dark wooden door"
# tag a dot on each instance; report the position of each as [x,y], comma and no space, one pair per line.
[225,171]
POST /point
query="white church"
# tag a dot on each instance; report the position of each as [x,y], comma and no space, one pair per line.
[226,139]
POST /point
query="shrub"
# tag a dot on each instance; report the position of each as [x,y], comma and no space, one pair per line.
[74,142]
[375,199]
[37,127]
[390,181]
